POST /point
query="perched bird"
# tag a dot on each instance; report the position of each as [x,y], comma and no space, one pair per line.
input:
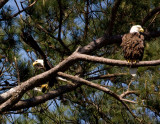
[38,62]
[44,87]
[28,39]
[133,46]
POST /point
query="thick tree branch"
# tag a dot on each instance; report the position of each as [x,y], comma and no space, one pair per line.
[47,96]
[100,42]
[35,81]
[107,40]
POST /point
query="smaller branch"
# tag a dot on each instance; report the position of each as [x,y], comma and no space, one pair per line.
[86,19]
[51,35]
[10,102]
[128,93]
[107,76]
[114,62]
[153,19]
[130,101]
[60,27]
[60,18]
[17,5]
[149,15]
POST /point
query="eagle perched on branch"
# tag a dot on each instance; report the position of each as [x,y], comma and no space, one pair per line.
[133,46]
[45,87]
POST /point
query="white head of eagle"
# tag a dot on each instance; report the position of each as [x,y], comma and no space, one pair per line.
[136,28]
[38,62]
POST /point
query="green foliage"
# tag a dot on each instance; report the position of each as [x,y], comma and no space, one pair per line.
[77,27]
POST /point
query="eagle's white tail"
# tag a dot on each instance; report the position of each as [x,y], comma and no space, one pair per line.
[133,71]
[37,89]
[61,79]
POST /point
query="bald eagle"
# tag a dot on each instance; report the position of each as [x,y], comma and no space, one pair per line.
[133,46]
[45,87]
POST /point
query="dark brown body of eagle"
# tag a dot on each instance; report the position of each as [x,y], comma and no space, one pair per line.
[133,46]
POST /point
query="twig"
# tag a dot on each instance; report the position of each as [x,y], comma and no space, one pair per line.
[128,92]
[107,76]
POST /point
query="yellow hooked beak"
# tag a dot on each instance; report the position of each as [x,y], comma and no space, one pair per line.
[141,30]
[34,63]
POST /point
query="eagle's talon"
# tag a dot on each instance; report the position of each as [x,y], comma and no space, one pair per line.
[44,87]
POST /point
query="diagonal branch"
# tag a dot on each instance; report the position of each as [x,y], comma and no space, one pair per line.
[107,40]
[107,76]
[43,98]
[129,92]
[97,86]
[34,81]
[149,15]
[60,26]
[51,35]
